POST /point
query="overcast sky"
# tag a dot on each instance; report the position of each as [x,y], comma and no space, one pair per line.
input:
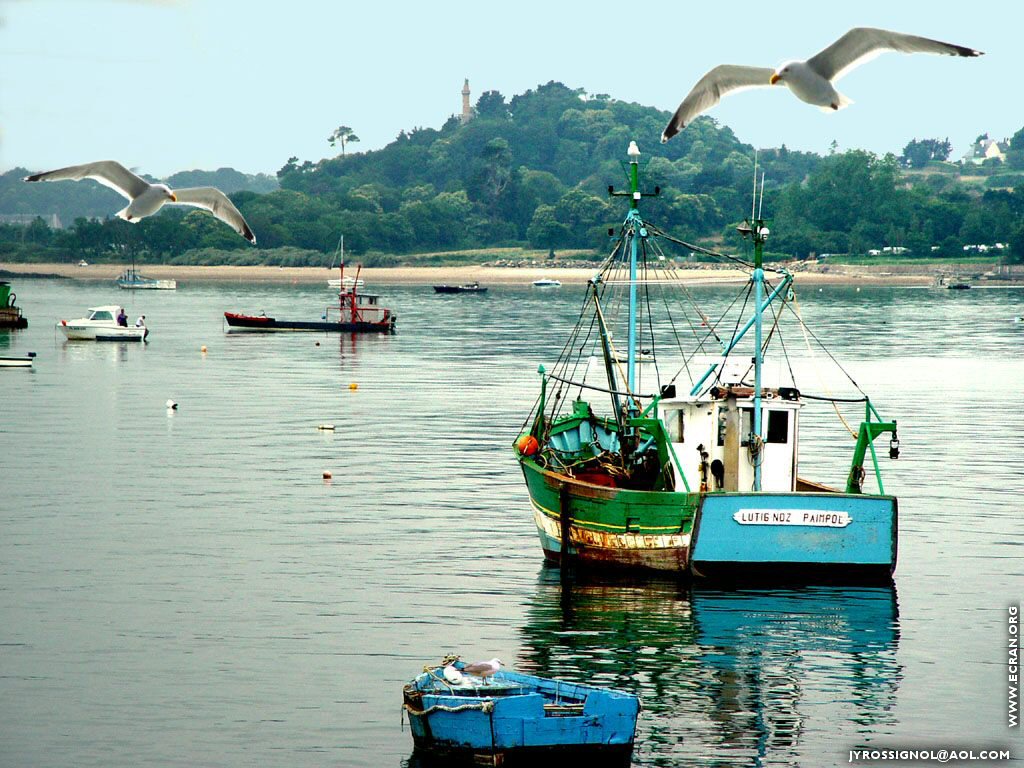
[166,85]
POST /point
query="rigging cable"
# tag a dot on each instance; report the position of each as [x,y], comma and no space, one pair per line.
[803,326]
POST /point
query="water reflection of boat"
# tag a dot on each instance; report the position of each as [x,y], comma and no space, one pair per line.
[732,677]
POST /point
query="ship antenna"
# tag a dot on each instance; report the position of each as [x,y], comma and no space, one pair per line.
[760,204]
[753,200]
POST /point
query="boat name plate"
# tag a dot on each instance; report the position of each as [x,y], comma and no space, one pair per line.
[813,517]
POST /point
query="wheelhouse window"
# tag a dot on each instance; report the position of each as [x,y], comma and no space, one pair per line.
[674,423]
[101,316]
[778,427]
[746,425]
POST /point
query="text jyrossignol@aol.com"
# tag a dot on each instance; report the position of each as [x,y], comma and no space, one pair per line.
[927,755]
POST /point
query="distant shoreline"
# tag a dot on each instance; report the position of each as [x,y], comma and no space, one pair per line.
[838,274]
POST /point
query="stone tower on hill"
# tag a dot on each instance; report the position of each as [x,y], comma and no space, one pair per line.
[467,111]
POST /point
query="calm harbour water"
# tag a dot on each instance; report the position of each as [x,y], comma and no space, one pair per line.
[184,588]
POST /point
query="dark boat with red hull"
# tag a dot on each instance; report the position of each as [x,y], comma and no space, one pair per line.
[356,313]
[239,322]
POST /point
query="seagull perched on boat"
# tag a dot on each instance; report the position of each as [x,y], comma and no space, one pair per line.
[811,80]
[145,199]
[482,669]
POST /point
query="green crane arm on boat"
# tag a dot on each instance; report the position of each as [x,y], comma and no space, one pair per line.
[869,430]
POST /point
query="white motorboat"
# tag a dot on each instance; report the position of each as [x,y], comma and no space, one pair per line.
[17,362]
[546,282]
[102,325]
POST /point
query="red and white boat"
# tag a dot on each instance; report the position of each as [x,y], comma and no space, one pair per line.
[356,313]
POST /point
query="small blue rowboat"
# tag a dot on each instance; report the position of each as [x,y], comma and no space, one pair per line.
[512,718]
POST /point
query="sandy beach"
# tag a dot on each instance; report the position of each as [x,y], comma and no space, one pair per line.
[911,274]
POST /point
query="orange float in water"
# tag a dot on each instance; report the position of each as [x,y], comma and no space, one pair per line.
[527,445]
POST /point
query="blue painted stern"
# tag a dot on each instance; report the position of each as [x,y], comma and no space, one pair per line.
[515,718]
[781,536]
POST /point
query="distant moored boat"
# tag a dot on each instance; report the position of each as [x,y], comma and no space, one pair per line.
[467,288]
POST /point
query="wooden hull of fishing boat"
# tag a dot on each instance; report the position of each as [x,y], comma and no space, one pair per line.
[742,537]
[611,527]
[257,324]
[12,321]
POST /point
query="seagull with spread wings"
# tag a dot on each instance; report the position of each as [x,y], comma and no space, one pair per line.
[145,199]
[811,80]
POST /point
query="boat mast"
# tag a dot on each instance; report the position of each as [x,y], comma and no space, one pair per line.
[759,235]
[635,221]
[634,229]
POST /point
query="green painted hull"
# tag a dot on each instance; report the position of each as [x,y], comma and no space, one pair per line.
[697,534]
[611,526]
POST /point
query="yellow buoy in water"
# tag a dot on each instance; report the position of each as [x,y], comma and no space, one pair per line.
[353,386]
[203,349]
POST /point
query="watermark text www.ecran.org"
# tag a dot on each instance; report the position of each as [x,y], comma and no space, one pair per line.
[928,755]
[1013,666]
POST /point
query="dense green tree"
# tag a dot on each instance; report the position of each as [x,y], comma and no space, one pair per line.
[1016,255]
[534,170]
[917,154]
[342,135]
[491,106]
[546,231]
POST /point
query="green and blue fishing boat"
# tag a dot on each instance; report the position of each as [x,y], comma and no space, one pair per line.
[692,464]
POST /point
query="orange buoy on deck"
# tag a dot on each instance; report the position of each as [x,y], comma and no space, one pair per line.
[527,445]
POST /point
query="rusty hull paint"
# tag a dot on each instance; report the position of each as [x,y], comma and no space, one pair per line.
[606,539]
[658,553]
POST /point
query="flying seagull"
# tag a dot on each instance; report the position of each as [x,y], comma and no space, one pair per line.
[811,80]
[482,669]
[145,199]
